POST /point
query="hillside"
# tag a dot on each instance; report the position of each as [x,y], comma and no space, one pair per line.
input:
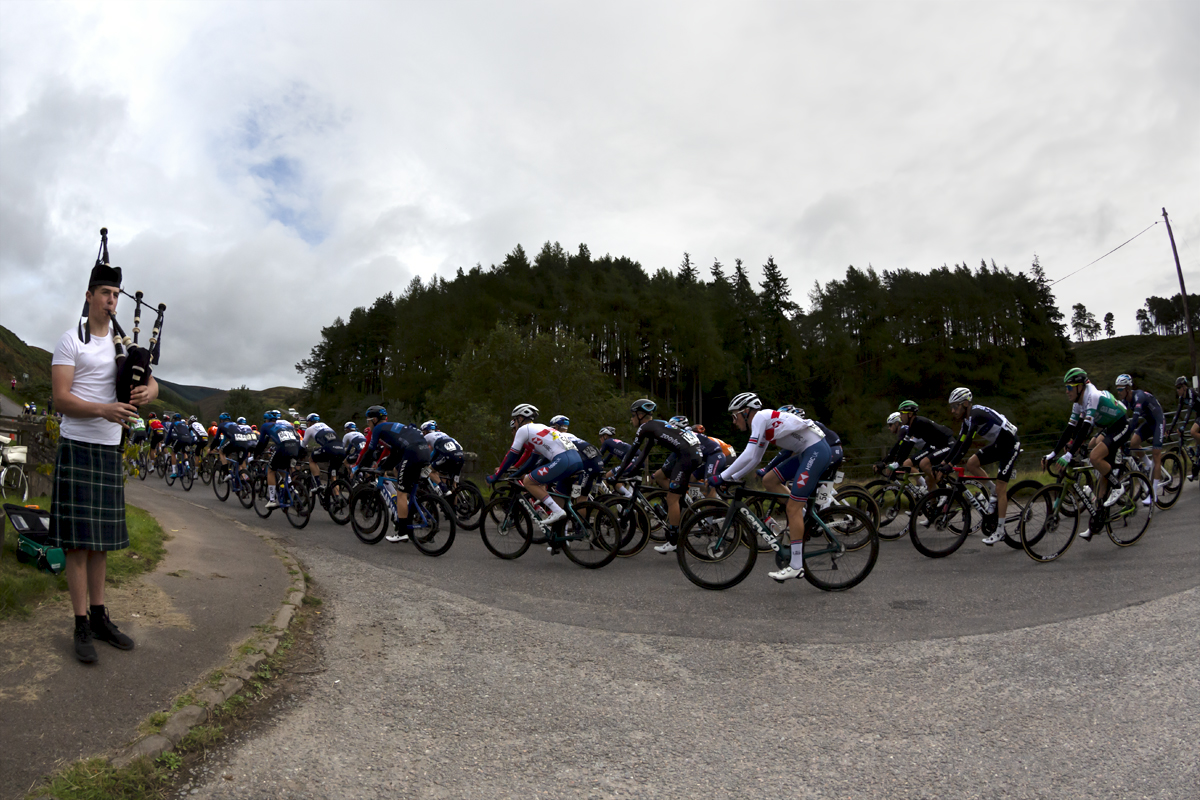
[192,394]
[251,403]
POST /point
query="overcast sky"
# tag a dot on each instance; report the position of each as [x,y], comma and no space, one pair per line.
[265,167]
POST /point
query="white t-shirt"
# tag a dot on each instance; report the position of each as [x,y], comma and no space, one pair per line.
[95,380]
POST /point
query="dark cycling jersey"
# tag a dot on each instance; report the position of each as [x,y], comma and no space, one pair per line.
[981,422]
[180,432]
[614,447]
[679,441]
[230,435]
[1188,409]
[1145,406]
[922,429]
[282,434]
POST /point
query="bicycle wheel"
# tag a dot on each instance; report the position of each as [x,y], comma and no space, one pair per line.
[14,485]
[894,504]
[591,536]
[857,497]
[1131,515]
[338,506]
[434,533]
[206,470]
[143,466]
[220,485]
[1046,529]
[940,523]
[1172,475]
[505,527]
[468,504]
[245,491]
[187,474]
[1019,494]
[716,551]
[259,490]
[635,526]
[160,466]
[368,514]
[300,503]
[842,556]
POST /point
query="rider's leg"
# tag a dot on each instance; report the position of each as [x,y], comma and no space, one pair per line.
[1099,459]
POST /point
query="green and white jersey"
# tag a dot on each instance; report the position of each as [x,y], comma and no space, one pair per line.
[1097,407]
[137,424]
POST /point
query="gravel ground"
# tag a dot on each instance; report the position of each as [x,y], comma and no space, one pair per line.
[428,695]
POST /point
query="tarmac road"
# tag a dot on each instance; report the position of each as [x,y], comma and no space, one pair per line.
[980,675]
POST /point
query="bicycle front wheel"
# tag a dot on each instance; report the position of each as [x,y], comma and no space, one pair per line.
[220,484]
[505,528]
[368,514]
[339,501]
[716,551]
[591,536]
[1019,495]
[1129,518]
[635,526]
[299,508]
[895,505]
[468,504]
[1046,528]
[14,485]
[434,533]
[1171,479]
[842,553]
[940,523]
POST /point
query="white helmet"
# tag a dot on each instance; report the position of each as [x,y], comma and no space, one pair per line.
[893,418]
[745,401]
[960,395]
[525,410]
[1123,381]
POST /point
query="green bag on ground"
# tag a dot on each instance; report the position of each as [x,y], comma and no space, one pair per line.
[33,538]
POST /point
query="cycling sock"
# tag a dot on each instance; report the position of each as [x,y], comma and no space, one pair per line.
[672,532]
[550,504]
[271,493]
[921,482]
[625,491]
[798,555]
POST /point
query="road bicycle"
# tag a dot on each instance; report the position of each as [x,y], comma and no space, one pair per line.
[589,535]
[962,505]
[1172,471]
[1047,530]
[232,477]
[14,483]
[644,515]
[772,508]
[718,545]
[293,497]
[206,467]
[463,496]
[185,470]
[430,524]
[896,497]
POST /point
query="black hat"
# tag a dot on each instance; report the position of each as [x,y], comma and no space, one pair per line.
[105,275]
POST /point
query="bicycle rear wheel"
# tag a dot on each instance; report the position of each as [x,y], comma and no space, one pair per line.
[206,470]
[143,464]
[368,514]
[843,556]
[14,485]
[857,497]
[338,507]
[716,551]
[259,491]
[895,505]
[1172,475]
[299,508]
[468,504]
[1129,518]
[1046,529]
[591,537]
[1019,494]
[940,523]
[434,534]
[220,484]
[187,474]
[505,527]
[245,491]
[635,526]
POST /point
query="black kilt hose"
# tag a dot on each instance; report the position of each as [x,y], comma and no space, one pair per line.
[87,510]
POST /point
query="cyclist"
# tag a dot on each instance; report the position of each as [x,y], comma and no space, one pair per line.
[323,445]
[179,436]
[158,431]
[788,432]
[773,474]
[935,441]
[407,453]
[1147,423]
[1001,448]
[681,442]
[529,439]
[447,459]
[593,465]
[1093,408]
[199,429]
[282,433]
[353,441]
[611,446]
[710,451]
[1188,410]
[729,450]
[232,440]
[137,430]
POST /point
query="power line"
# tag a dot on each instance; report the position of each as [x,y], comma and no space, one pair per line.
[1109,253]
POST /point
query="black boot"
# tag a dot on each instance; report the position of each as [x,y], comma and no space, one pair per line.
[85,651]
[104,630]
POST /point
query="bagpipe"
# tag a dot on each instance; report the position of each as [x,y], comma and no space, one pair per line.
[133,361]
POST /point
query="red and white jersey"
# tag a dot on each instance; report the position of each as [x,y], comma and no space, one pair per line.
[770,427]
[544,440]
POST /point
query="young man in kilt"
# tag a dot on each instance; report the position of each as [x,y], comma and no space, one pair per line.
[87,511]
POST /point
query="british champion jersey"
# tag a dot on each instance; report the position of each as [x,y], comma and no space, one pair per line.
[544,440]
[771,427]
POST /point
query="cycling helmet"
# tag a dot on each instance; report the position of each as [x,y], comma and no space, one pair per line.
[177,417]
[1181,381]
[311,418]
[349,426]
[1075,376]
[697,429]
[524,410]
[679,421]
[893,418]
[155,416]
[788,409]
[268,416]
[746,401]
[559,419]
[644,406]
[608,430]
[376,412]
[908,407]
[428,427]
[960,395]
[224,417]
[192,418]
[1123,381]
[241,420]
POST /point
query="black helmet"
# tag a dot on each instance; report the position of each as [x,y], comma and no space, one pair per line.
[376,412]
[644,405]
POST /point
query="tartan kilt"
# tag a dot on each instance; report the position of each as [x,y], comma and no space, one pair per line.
[87,510]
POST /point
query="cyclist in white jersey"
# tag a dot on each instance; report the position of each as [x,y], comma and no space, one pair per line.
[561,456]
[789,432]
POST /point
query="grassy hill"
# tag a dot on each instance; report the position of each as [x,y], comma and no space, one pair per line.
[252,403]
[191,394]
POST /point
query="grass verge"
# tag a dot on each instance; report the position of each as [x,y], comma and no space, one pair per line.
[23,586]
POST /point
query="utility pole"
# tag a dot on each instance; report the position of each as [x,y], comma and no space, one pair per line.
[1187,317]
